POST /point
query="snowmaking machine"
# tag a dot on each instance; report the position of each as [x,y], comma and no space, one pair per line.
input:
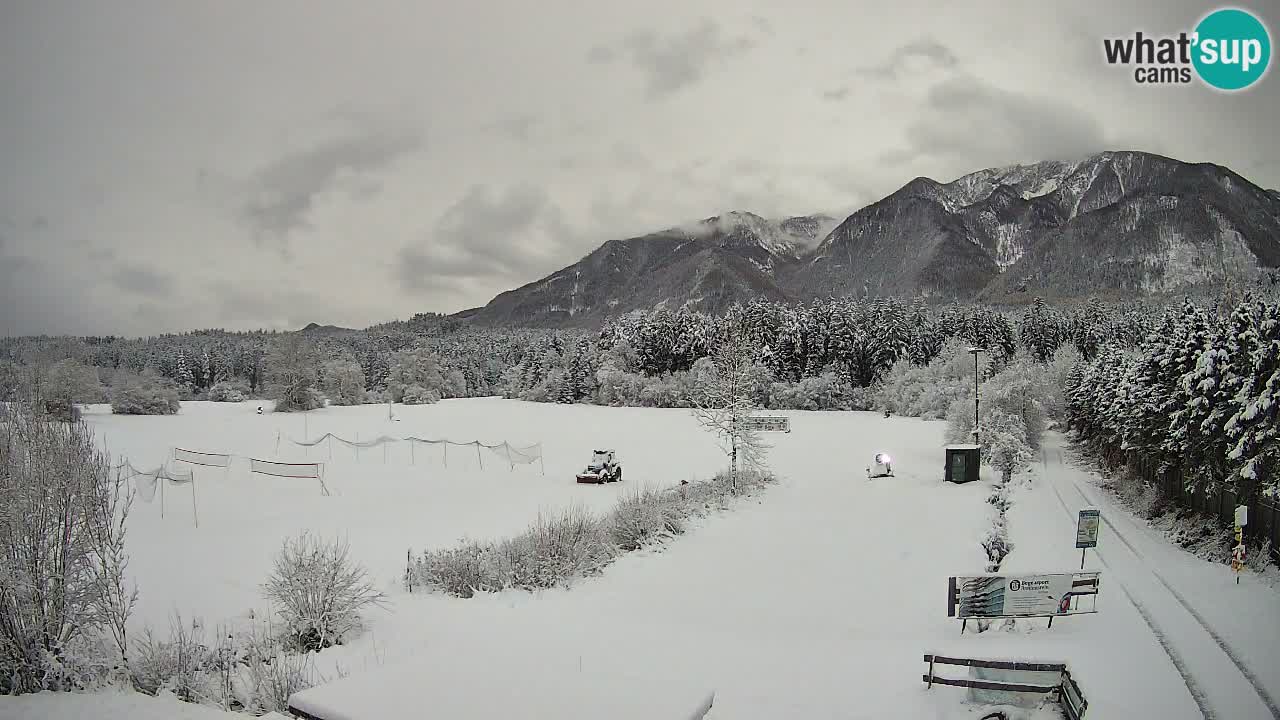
[883,467]
[603,468]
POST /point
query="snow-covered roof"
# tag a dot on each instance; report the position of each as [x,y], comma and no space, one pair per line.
[964,447]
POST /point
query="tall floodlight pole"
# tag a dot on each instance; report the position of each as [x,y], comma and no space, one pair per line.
[975,351]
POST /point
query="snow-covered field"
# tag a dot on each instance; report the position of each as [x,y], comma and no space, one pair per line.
[817,599]
[384,500]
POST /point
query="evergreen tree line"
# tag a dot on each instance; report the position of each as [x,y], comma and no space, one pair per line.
[1199,396]
[828,354]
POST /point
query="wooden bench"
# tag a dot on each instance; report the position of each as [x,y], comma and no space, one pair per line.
[1067,690]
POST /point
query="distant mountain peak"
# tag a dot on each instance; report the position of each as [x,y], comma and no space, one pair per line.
[1119,223]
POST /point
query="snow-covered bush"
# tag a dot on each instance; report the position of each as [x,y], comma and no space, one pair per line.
[177,664]
[1004,442]
[929,391]
[146,394]
[57,388]
[960,420]
[244,669]
[293,368]
[418,395]
[667,391]
[554,550]
[62,587]
[343,382]
[319,591]
[617,387]
[1020,390]
[272,676]
[645,516]
[420,374]
[1056,372]
[822,392]
[573,544]
[229,391]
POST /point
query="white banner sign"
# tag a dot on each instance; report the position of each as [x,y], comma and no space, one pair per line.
[769,424]
[999,596]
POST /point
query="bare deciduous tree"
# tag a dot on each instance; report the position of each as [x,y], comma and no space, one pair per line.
[62,515]
[723,400]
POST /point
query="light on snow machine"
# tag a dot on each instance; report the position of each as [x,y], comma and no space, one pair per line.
[603,468]
[883,467]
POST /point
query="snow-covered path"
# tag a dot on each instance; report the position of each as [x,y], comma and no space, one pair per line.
[1228,663]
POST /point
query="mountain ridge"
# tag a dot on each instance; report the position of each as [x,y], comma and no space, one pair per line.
[1122,223]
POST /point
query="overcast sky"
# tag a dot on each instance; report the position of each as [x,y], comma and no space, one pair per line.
[168,166]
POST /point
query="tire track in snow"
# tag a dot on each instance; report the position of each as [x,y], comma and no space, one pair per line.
[1179,663]
[1221,642]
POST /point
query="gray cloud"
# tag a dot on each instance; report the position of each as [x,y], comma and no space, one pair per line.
[141,152]
[285,190]
[674,62]
[518,127]
[486,234]
[142,281]
[280,307]
[899,62]
[601,55]
[970,124]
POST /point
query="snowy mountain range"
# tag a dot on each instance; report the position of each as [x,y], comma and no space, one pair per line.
[1118,224]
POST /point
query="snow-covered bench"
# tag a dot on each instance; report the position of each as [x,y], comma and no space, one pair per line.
[497,684]
[1002,677]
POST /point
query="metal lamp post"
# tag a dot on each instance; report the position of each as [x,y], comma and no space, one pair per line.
[975,351]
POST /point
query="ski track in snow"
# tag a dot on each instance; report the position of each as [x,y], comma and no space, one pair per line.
[1161,637]
[1208,704]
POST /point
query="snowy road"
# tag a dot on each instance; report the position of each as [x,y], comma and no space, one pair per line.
[1224,680]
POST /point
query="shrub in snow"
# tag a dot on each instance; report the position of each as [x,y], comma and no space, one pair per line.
[293,368]
[823,392]
[928,391]
[146,394]
[418,395]
[177,665]
[57,388]
[1004,442]
[62,586]
[229,391]
[645,516]
[273,678]
[667,391]
[319,591]
[1056,373]
[420,372]
[573,544]
[241,671]
[1020,390]
[343,382]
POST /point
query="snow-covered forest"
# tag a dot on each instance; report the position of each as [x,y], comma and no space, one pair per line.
[1194,384]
